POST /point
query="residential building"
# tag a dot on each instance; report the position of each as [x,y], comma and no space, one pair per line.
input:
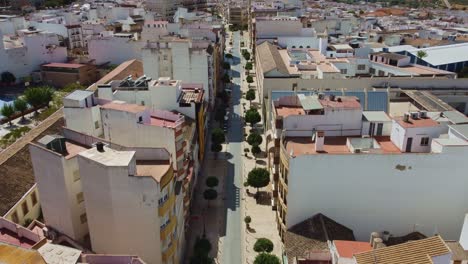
[21,55]
[163,8]
[343,251]
[448,57]
[61,74]
[429,250]
[58,178]
[308,130]
[138,189]
[182,59]
[238,15]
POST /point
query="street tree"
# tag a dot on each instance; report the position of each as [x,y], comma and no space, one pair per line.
[248,66]
[258,178]
[7,77]
[256,149]
[265,258]
[252,116]
[219,114]
[212,182]
[38,96]
[248,220]
[21,106]
[249,79]
[226,78]
[217,136]
[229,56]
[8,111]
[250,95]
[263,245]
[226,65]
[246,55]
[254,139]
[210,194]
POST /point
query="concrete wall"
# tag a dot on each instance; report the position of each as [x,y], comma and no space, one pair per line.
[121,211]
[84,120]
[114,50]
[33,207]
[400,193]
[277,27]
[59,184]
[400,136]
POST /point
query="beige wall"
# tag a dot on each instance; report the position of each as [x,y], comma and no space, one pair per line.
[17,214]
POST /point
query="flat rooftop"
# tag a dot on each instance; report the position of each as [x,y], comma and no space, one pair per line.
[285,111]
[415,123]
[124,107]
[12,238]
[333,145]
[154,168]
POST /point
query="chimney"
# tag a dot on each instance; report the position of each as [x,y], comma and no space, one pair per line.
[406,117]
[377,243]
[100,146]
[319,141]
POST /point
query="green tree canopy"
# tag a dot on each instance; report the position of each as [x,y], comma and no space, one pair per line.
[249,79]
[229,55]
[250,95]
[212,182]
[210,194]
[254,139]
[8,77]
[258,178]
[248,66]
[265,258]
[252,116]
[226,65]
[216,147]
[256,149]
[217,136]
[263,245]
[21,106]
[38,96]
[7,111]
[71,87]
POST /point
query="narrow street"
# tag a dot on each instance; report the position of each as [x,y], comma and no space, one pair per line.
[232,253]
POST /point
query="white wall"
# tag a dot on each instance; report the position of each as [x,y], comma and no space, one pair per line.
[58,189]
[277,27]
[334,123]
[122,210]
[83,120]
[114,50]
[400,193]
[400,136]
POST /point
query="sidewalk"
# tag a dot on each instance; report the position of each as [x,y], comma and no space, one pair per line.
[263,223]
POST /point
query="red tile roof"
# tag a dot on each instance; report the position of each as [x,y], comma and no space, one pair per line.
[347,249]
[413,123]
[345,102]
[64,65]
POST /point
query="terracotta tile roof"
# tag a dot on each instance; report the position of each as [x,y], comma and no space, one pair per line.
[64,65]
[414,252]
[344,102]
[312,234]
[413,123]
[270,59]
[17,255]
[347,249]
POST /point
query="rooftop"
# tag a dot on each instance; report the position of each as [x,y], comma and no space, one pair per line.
[391,56]
[333,145]
[191,95]
[458,253]
[342,102]
[347,249]
[124,107]
[461,129]
[57,254]
[416,123]
[109,157]
[79,95]
[440,55]
[17,255]
[111,259]
[375,116]
[64,65]
[154,168]
[311,235]
[420,252]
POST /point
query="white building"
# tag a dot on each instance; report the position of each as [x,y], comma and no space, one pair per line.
[113,49]
[59,183]
[181,59]
[378,183]
[25,54]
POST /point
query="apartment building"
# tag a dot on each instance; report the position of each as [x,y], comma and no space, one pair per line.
[117,190]
[22,55]
[58,179]
[396,177]
[163,8]
[183,59]
[130,202]
[238,14]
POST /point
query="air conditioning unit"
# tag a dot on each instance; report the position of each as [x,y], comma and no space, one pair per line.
[414,115]
[423,114]
[357,150]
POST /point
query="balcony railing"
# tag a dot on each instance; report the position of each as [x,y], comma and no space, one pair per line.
[169,252]
[169,228]
[167,205]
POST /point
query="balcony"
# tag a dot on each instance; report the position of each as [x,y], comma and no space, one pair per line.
[169,252]
[167,205]
[167,178]
[169,228]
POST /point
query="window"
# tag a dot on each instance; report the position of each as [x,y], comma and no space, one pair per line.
[14,217]
[80,197]
[76,175]
[96,124]
[344,71]
[425,141]
[361,67]
[140,119]
[165,57]
[83,218]
[34,198]
[25,208]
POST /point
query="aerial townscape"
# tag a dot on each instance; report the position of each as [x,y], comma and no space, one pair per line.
[233,132]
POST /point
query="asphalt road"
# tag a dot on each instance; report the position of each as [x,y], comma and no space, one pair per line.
[232,253]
